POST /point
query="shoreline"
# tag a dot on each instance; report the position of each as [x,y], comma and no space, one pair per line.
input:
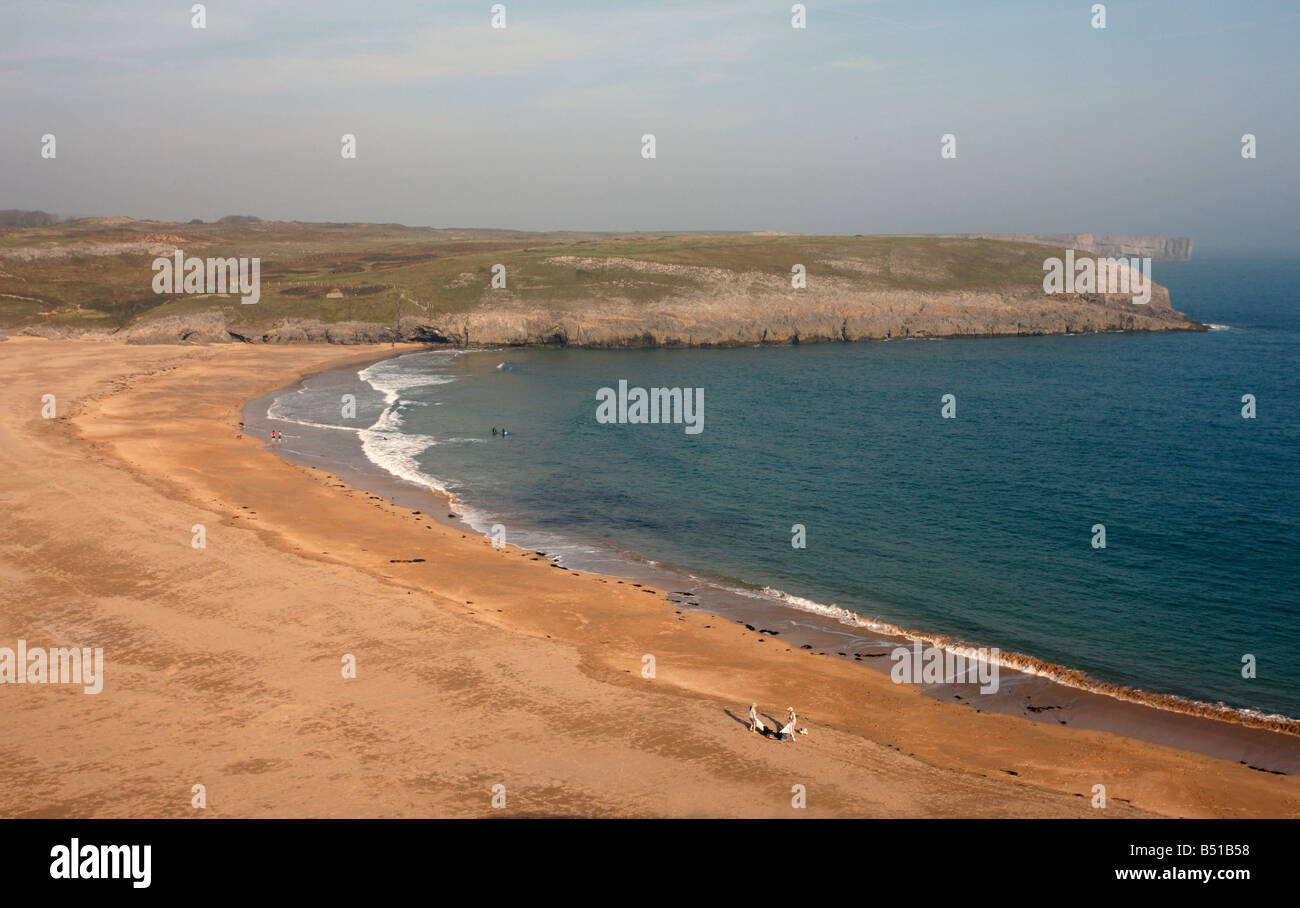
[476,665]
[1228,732]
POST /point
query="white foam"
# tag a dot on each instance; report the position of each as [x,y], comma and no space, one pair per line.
[842,615]
[1015,662]
[275,410]
[384,444]
[390,377]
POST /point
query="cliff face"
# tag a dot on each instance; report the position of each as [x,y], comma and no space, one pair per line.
[756,313]
[1159,249]
[756,309]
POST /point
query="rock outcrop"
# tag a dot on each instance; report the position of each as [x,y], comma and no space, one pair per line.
[737,319]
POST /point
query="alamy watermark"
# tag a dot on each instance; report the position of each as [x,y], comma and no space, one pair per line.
[75,861]
[937,665]
[639,406]
[214,275]
[1098,275]
[59,665]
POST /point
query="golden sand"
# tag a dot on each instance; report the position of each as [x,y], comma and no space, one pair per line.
[476,667]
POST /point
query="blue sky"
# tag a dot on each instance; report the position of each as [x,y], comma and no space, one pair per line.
[832,129]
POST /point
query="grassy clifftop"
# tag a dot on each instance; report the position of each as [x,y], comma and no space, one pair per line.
[345,282]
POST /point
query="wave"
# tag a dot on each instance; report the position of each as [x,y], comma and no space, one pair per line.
[1029,665]
[384,444]
[390,376]
[276,411]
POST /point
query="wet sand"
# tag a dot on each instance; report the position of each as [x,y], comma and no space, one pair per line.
[476,667]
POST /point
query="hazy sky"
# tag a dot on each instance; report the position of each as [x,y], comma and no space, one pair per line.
[832,129]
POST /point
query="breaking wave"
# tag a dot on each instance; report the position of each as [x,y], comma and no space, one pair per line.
[1029,665]
[384,444]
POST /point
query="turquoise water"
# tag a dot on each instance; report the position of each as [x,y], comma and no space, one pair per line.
[979,526]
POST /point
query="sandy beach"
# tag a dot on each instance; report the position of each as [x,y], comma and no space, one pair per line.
[475,667]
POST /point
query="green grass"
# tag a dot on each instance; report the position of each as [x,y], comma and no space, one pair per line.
[387,270]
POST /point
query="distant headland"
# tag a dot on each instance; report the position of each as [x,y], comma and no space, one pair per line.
[1156,248]
[358,283]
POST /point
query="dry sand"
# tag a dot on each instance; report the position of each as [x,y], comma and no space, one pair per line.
[475,667]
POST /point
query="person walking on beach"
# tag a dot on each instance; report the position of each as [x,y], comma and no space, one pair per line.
[755,723]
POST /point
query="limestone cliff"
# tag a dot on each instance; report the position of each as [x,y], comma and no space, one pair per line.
[754,312]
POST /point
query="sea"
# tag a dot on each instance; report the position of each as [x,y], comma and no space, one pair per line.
[827,486]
